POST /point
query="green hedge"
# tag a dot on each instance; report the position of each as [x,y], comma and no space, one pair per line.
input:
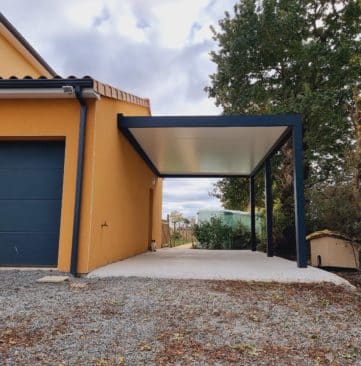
[214,234]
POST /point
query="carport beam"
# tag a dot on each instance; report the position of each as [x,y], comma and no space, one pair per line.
[299,196]
[253,215]
[269,207]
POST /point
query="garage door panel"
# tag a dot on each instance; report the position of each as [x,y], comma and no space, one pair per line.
[12,183]
[32,154]
[28,249]
[30,215]
[31,178]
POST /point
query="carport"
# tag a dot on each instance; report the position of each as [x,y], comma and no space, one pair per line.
[223,146]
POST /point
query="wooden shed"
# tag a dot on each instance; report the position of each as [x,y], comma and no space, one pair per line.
[330,249]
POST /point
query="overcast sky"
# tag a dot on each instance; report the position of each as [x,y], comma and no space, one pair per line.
[157,49]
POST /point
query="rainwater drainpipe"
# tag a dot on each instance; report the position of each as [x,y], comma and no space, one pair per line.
[79,180]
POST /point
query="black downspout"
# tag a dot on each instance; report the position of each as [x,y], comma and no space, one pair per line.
[79,180]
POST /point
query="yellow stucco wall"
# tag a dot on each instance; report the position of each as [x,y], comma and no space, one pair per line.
[116,182]
[157,212]
[49,119]
[118,194]
[15,60]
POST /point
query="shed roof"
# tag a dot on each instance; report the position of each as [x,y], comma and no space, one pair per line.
[327,233]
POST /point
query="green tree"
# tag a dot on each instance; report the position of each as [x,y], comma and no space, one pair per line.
[278,56]
[175,217]
[356,153]
[234,192]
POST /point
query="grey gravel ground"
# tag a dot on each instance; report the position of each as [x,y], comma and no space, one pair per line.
[134,321]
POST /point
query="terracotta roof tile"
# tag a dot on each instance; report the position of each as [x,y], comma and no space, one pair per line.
[99,87]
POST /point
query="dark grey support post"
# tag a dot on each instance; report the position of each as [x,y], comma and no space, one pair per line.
[299,196]
[252,201]
[269,207]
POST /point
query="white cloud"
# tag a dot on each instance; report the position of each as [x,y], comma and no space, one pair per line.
[188,195]
[88,11]
[177,18]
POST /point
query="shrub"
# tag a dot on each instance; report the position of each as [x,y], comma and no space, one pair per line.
[214,234]
[176,235]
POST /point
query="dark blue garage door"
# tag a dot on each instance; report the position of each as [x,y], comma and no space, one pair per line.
[31,179]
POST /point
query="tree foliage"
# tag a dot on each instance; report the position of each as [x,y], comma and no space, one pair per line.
[176,217]
[282,56]
[355,153]
[215,234]
[345,219]
[234,192]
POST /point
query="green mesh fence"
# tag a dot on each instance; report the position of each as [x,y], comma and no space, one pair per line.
[231,218]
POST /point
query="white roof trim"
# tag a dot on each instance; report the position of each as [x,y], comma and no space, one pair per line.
[53,93]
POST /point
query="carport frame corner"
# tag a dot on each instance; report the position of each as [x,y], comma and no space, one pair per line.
[293,124]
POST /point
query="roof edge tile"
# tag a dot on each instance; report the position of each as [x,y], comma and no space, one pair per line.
[99,87]
[118,94]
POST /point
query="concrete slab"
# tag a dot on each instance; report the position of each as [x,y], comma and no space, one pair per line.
[215,265]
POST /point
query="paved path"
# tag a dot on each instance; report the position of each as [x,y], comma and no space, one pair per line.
[215,265]
[183,246]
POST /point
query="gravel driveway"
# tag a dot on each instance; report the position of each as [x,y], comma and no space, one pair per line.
[132,321]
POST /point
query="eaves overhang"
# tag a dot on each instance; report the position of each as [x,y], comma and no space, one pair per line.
[46,88]
[85,83]
[44,83]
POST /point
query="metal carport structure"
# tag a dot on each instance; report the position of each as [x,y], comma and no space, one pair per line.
[223,146]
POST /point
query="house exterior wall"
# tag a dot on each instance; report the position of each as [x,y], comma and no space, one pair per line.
[15,59]
[49,119]
[114,222]
[157,212]
[116,181]
[117,196]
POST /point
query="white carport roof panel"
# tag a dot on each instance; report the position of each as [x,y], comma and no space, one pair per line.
[207,150]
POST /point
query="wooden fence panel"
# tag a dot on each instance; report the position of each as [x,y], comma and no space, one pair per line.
[165,234]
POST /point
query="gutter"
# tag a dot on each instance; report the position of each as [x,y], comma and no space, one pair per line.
[28,83]
[46,93]
[79,179]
